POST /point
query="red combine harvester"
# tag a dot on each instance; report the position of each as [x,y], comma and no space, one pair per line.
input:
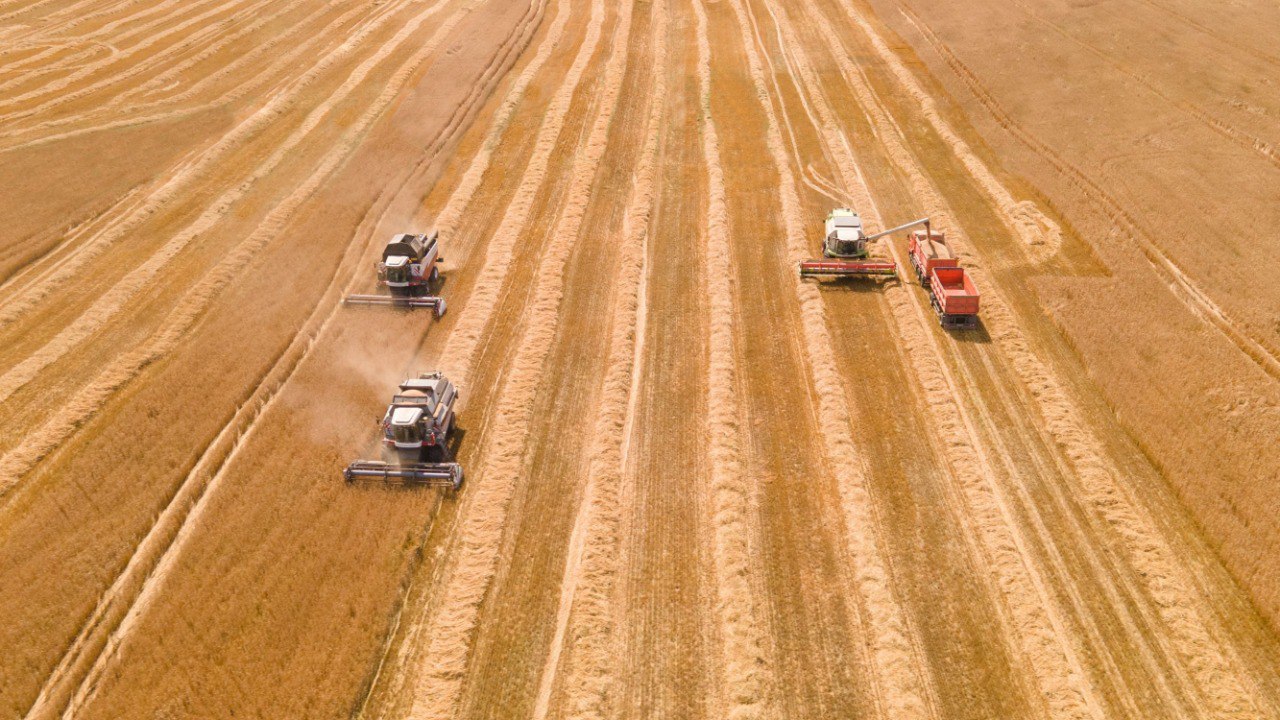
[844,249]
[951,291]
[415,432]
[408,271]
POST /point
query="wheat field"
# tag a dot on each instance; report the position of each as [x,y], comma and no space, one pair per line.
[697,485]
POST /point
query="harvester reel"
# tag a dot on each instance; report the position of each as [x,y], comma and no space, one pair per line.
[437,304]
[444,474]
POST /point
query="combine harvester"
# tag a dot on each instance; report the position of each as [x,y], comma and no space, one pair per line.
[415,433]
[951,291]
[408,270]
[844,249]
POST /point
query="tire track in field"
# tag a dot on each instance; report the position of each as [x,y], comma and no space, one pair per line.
[74,18]
[237,11]
[97,37]
[184,177]
[110,27]
[29,135]
[15,68]
[1036,484]
[1223,40]
[1209,667]
[483,517]
[1214,668]
[85,227]
[19,68]
[460,353]
[1239,138]
[30,6]
[85,55]
[90,68]
[447,221]
[113,301]
[19,460]
[141,575]
[303,47]
[1182,286]
[1040,235]
[78,51]
[84,46]
[811,178]
[902,681]
[173,74]
[121,207]
[746,682]
[47,29]
[460,199]
[587,615]
[169,76]
[1033,618]
[211,39]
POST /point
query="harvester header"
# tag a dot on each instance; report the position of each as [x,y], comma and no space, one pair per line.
[445,474]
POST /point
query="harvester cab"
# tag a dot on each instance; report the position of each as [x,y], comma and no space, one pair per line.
[409,262]
[398,272]
[415,434]
[845,249]
[409,271]
[421,414]
[844,238]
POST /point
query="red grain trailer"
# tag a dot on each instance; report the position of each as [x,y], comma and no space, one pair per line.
[929,250]
[954,297]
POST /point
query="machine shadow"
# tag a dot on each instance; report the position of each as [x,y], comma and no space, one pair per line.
[456,436]
[976,335]
[856,285]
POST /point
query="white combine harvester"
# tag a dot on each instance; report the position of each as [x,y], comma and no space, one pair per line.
[415,433]
[408,271]
[844,248]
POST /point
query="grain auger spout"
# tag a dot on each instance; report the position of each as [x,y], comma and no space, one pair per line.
[415,434]
[844,248]
[409,271]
